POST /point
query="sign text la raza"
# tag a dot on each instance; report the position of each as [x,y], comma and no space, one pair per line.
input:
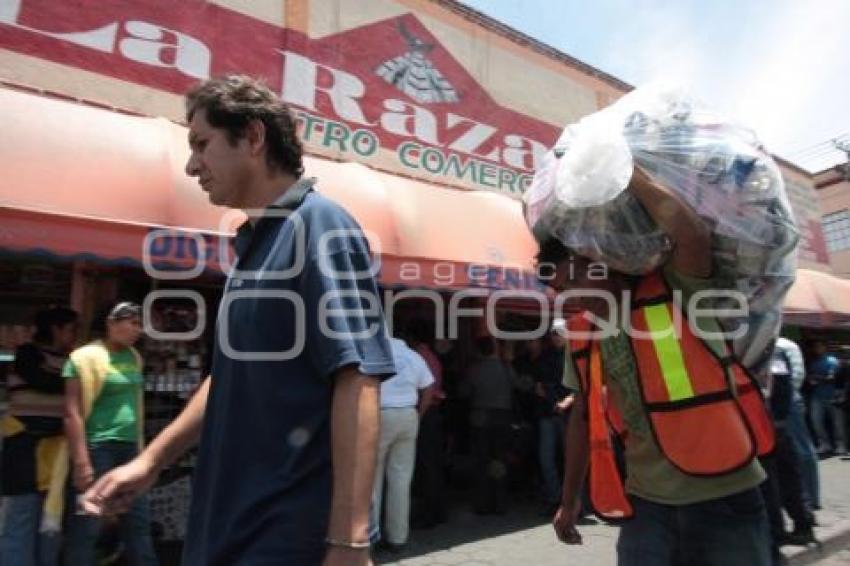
[385,93]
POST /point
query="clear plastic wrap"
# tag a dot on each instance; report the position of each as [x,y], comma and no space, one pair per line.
[716,166]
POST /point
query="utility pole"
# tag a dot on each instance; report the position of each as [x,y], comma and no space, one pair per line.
[845,147]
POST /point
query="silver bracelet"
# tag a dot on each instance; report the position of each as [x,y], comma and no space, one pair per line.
[357,545]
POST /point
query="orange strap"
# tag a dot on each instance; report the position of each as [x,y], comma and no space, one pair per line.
[605,483]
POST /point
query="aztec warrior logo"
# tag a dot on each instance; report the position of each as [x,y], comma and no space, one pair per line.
[414,75]
[428,126]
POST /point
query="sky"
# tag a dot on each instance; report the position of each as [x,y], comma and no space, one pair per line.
[781,67]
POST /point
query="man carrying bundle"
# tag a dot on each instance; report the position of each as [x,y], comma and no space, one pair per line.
[661,375]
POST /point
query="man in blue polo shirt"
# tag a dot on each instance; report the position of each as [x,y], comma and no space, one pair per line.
[288,420]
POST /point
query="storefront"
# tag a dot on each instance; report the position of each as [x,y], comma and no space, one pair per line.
[424,118]
[95,206]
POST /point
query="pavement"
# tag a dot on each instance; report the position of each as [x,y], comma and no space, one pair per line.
[833,530]
[523,538]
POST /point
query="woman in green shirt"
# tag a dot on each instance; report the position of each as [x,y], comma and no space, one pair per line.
[104,425]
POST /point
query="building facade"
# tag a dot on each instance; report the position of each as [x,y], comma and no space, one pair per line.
[833,192]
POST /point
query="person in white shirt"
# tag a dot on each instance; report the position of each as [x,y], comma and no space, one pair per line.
[405,397]
[796,427]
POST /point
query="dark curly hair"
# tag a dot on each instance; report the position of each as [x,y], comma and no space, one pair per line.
[47,320]
[234,101]
[552,251]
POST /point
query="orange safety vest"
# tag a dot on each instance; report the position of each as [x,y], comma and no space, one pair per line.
[703,425]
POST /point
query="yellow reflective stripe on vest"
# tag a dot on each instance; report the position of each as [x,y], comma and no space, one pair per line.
[668,352]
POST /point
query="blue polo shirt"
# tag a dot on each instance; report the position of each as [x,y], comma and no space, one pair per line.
[824,369]
[262,487]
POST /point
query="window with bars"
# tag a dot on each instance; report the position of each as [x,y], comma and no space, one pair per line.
[836,230]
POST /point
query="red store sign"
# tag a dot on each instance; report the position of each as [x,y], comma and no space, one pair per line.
[387,94]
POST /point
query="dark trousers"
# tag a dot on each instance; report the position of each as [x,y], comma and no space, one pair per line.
[82,531]
[550,447]
[430,467]
[730,531]
[798,432]
[490,437]
[785,485]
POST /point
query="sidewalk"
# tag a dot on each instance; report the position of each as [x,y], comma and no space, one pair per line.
[834,519]
[525,539]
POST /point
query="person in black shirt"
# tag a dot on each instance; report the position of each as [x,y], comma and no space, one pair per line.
[553,402]
[31,427]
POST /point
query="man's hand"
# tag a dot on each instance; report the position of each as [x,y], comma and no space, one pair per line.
[690,235]
[113,493]
[565,523]
[340,556]
[564,404]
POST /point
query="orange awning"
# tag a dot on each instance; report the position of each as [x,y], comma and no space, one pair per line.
[81,181]
[84,182]
[818,299]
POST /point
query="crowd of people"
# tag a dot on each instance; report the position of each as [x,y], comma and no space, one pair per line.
[511,398]
[74,413]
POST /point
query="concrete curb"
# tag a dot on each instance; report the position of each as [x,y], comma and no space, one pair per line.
[833,538]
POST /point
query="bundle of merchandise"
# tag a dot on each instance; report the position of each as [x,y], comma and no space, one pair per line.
[579,196]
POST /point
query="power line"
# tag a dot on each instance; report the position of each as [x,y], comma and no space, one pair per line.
[820,158]
[829,142]
[824,152]
[829,139]
[827,146]
[824,142]
[811,147]
[817,164]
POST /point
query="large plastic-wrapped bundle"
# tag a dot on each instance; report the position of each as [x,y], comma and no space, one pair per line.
[717,167]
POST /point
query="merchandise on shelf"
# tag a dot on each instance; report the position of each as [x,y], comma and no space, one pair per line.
[173,371]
